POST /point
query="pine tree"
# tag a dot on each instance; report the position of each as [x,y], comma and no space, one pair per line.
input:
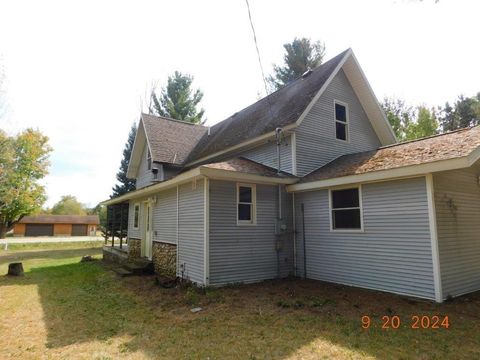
[300,55]
[177,100]
[464,112]
[124,184]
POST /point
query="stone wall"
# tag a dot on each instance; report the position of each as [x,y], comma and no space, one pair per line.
[164,258]
[134,248]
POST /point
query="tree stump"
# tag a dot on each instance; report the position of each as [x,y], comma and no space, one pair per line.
[87,258]
[15,269]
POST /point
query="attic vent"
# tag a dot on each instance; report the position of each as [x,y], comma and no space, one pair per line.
[306,73]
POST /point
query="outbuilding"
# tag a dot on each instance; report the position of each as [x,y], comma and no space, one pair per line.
[57,225]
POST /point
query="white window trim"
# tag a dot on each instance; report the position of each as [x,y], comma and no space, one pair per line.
[347,123]
[135,207]
[360,203]
[254,205]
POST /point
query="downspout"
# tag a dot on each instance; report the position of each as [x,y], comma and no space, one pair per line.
[278,138]
[304,245]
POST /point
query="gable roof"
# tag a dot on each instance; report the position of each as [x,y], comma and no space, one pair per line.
[170,140]
[61,219]
[279,109]
[422,156]
[181,143]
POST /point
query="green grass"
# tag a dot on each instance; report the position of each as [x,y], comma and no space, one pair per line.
[63,308]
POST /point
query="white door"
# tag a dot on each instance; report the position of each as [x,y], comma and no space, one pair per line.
[148,231]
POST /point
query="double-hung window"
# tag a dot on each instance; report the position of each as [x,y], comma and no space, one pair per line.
[346,209]
[246,204]
[136,214]
[341,120]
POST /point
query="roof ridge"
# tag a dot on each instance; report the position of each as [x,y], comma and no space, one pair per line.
[426,137]
[291,83]
[175,120]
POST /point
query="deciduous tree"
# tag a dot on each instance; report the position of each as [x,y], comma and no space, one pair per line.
[408,122]
[68,205]
[23,162]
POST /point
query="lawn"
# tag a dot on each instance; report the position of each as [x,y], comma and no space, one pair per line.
[65,309]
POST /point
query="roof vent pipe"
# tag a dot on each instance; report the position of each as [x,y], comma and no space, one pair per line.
[208,130]
[306,73]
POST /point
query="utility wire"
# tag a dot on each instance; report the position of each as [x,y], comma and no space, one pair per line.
[258,51]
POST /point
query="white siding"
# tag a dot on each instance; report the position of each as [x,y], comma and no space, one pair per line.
[457,203]
[191,230]
[392,254]
[267,155]
[144,176]
[165,217]
[315,137]
[247,253]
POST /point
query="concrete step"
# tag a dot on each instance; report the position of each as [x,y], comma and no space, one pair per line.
[139,266]
[122,271]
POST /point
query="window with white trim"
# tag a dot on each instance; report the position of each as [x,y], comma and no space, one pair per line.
[346,209]
[341,121]
[136,214]
[246,203]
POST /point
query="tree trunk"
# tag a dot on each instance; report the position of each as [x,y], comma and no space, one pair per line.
[3,230]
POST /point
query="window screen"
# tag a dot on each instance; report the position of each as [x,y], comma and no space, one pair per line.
[245,204]
[346,209]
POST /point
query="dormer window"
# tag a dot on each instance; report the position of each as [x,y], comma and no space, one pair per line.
[149,160]
[341,120]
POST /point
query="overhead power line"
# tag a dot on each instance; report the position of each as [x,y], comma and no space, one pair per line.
[256,47]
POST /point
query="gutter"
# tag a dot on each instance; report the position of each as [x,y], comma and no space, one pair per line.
[215,174]
[390,174]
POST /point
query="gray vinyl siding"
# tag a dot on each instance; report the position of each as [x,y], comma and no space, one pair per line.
[132,232]
[392,254]
[267,155]
[247,253]
[165,217]
[457,203]
[169,172]
[316,144]
[144,176]
[191,231]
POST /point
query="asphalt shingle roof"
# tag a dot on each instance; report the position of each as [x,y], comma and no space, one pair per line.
[171,141]
[179,142]
[446,146]
[279,109]
[246,166]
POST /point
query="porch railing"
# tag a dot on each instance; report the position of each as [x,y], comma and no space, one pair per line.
[117,223]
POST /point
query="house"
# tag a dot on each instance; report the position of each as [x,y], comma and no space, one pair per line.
[57,225]
[309,182]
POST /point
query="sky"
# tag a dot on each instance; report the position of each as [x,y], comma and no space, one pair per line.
[79,71]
